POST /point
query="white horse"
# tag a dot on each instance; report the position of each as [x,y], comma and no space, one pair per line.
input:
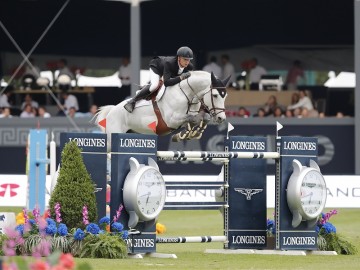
[177,106]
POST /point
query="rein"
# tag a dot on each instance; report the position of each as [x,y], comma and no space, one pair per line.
[206,108]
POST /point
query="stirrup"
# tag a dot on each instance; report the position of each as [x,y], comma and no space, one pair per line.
[130,106]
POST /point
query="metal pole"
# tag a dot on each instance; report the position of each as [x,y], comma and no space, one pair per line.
[357,86]
[135,45]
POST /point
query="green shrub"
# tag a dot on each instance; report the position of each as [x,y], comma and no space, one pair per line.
[74,189]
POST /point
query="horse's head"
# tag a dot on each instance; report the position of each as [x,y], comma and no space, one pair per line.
[215,98]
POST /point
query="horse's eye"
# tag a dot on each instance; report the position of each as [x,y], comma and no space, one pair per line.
[215,95]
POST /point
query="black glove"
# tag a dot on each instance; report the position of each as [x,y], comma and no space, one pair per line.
[185,75]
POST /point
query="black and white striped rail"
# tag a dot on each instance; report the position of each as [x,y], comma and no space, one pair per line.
[190,239]
[214,155]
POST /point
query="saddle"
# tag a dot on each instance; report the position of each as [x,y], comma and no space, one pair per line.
[161,127]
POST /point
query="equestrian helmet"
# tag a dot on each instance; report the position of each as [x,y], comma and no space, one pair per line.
[185,52]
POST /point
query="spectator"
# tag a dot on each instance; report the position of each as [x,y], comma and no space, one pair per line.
[27,112]
[213,67]
[294,74]
[289,113]
[31,74]
[260,113]
[65,76]
[92,111]
[42,113]
[295,97]
[124,75]
[28,100]
[4,98]
[71,112]
[227,69]
[278,112]
[63,69]
[270,105]
[304,102]
[297,112]
[255,74]
[6,113]
[243,112]
[69,102]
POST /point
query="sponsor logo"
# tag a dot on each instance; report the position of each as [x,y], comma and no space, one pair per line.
[149,243]
[89,142]
[146,143]
[248,239]
[299,241]
[11,187]
[300,146]
[248,192]
[241,145]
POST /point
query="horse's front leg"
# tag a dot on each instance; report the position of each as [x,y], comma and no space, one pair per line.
[194,128]
[197,131]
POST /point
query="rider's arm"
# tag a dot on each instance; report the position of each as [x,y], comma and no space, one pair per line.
[168,81]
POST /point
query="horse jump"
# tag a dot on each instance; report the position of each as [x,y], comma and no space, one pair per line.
[244,171]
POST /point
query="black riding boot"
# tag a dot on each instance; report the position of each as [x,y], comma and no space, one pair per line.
[143,93]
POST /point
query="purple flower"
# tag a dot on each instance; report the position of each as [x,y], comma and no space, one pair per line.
[36,213]
[93,228]
[26,217]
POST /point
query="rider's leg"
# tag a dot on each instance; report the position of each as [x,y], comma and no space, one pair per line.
[144,92]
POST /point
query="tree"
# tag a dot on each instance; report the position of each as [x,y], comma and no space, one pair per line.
[74,189]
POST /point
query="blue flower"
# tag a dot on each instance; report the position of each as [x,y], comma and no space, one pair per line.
[32,222]
[93,228]
[117,226]
[50,221]
[104,220]
[79,234]
[51,229]
[318,228]
[62,229]
[329,228]
[125,234]
[20,228]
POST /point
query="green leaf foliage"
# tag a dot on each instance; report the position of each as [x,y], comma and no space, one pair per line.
[74,188]
[336,242]
[104,246]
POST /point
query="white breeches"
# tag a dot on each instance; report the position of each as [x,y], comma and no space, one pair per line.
[154,80]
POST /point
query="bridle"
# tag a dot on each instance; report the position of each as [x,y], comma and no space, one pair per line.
[204,107]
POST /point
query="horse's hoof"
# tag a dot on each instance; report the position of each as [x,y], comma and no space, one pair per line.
[175,138]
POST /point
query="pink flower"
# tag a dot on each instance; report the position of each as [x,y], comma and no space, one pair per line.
[57,212]
[26,217]
[85,214]
[118,213]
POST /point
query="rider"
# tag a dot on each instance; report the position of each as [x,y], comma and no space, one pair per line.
[173,68]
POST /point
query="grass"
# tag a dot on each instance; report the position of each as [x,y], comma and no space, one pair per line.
[192,256]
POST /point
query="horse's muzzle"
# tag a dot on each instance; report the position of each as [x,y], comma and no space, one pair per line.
[220,119]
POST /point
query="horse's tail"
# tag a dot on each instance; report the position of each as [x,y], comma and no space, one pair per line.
[101,115]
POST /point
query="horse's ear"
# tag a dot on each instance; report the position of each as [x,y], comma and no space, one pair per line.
[226,80]
[213,78]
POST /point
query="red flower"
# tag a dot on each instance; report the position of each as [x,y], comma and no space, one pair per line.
[67,261]
[39,265]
